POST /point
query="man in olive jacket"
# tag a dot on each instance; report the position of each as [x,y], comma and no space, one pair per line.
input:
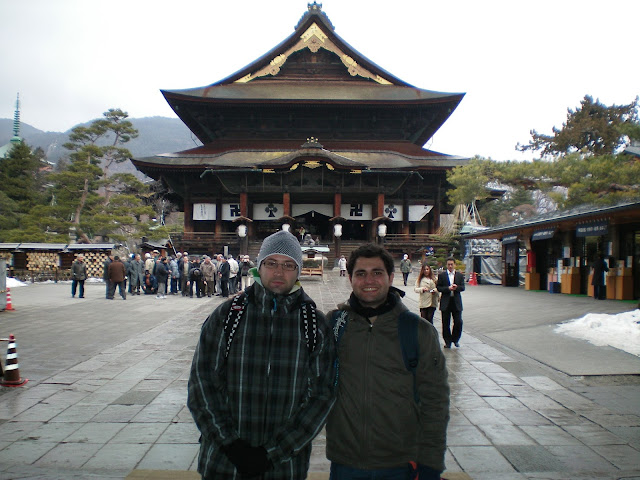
[377,426]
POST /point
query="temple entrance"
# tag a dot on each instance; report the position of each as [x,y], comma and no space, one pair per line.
[315,224]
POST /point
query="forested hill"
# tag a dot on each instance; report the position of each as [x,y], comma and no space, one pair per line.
[156,135]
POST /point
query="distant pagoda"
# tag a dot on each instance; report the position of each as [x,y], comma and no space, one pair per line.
[5,149]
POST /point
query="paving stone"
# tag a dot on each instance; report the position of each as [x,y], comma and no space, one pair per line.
[506,435]
[68,455]
[123,455]
[24,452]
[169,457]
[12,431]
[486,416]
[78,413]
[117,413]
[530,458]
[140,433]
[579,458]
[622,456]
[136,397]
[549,435]
[52,432]
[481,459]
[180,433]
[594,435]
[95,433]
[465,435]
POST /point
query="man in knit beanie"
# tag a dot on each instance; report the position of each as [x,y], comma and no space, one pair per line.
[267,346]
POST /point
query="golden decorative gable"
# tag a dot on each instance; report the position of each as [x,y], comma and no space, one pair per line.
[314,39]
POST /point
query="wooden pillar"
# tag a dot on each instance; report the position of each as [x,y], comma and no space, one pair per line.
[218,227]
[243,204]
[188,216]
[380,211]
[337,204]
[405,215]
[286,202]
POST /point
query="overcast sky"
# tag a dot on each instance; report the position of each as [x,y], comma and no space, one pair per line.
[521,63]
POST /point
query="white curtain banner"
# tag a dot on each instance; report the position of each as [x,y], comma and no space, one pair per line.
[230,211]
[302,208]
[204,211]
[356,211]
[393,212]
[417,212]
[267,211]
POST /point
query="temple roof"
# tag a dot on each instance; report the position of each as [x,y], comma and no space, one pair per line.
[313,67]
[282,155]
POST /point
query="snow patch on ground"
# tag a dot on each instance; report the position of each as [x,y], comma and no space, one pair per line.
[621,331]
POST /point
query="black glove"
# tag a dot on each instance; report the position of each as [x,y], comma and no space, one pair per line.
[248,460]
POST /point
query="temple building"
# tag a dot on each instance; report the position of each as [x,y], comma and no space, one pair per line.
[312,135]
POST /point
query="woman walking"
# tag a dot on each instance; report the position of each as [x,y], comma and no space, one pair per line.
[426,287]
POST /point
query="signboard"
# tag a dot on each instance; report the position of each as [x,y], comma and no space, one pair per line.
[543,234]
[418,212]
[204,211]
[393,212]
[356,211]
[302,208]
[509,239]
[593,229]
[268,211]
[230,211]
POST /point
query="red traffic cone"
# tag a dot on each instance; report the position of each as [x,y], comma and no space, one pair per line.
[9,305]
[11,368]
[473,281]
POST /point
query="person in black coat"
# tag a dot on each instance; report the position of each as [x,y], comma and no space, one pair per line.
[599,269]
[195,278]
[450,283]
[161,273]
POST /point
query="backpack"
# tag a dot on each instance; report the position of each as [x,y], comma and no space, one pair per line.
[407,333]
[238,306]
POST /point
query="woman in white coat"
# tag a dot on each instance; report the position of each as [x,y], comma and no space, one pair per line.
[426,287]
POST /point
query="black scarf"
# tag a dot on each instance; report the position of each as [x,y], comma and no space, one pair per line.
[393,297]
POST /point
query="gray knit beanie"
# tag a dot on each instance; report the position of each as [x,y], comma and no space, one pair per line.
[281,243]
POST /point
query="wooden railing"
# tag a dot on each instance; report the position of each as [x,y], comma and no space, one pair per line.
[417,238]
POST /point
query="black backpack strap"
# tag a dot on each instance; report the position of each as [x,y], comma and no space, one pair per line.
[408,335]
[310,321]
[338,324]
[238,305]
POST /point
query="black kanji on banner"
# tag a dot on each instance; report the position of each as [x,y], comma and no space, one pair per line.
[234,210]
[356,210]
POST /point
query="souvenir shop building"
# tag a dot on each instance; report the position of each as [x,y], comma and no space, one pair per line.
[562,246]
[313,135]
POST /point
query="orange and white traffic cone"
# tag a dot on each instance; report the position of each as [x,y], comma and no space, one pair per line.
[473,281]
[11,368]
[9,305]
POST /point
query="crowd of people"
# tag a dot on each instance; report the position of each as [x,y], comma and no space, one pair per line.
[179,274]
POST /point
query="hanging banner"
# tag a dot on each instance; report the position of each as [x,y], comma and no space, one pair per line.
[418,212]
[356,211]
[267,211]
[204,211]
[509,239]
[543,234]
[393,212]
[592,229]
[302,208]
[230,211]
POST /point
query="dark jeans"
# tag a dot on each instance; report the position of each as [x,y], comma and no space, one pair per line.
[74,285]
[448,335]
[600,292]
[224,286]
[174,285]
[121,289]
[342,472]
[428,313]
[405,277]
[198,285]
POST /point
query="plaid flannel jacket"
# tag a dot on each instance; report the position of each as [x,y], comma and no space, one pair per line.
[270,391]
